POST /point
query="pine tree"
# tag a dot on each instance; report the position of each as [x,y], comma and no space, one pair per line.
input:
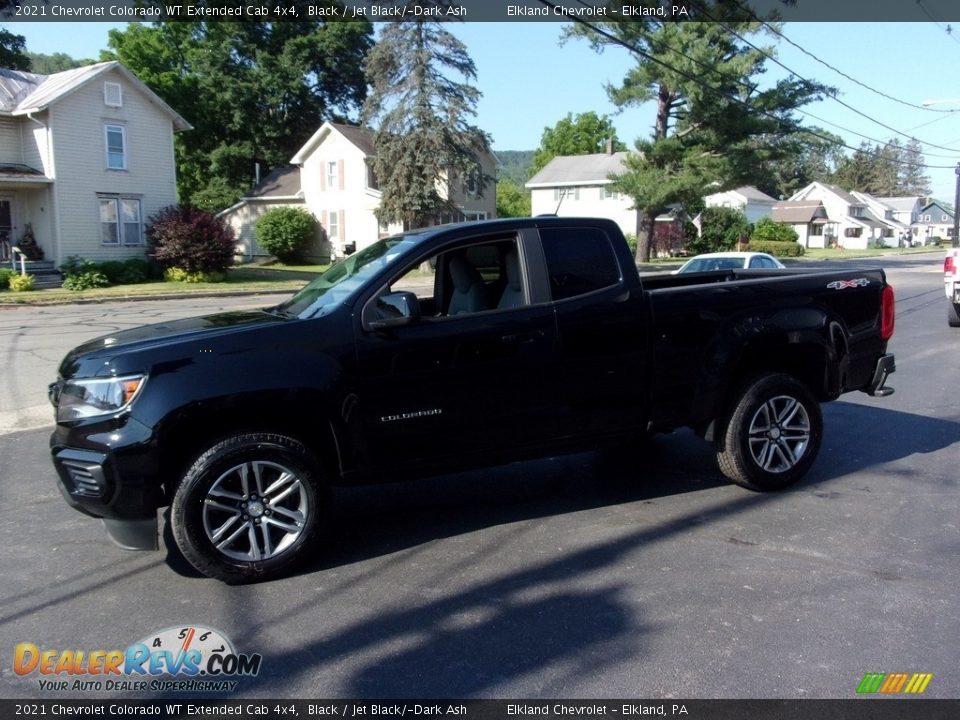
[713,128]
[913,179]
[421,114]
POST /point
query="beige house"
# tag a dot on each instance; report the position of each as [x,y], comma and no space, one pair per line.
[332,177]
[86,156]
[580,186]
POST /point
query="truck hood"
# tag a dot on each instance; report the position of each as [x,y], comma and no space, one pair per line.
[168,333]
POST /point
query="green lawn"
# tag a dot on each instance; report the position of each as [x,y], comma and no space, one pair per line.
[239,280]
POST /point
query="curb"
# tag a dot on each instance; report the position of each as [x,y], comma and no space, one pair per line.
[142,298]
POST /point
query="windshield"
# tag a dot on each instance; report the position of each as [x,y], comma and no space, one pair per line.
[704,264]
[338,283]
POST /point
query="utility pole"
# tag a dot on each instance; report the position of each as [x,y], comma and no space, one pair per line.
[956,210]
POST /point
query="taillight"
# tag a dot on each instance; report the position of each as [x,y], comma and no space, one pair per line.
[887,312]
[948,265]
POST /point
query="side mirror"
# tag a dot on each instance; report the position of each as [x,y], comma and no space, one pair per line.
[393,310]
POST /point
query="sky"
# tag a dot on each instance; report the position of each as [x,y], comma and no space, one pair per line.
[530,80]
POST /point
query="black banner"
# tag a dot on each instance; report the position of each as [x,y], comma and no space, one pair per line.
[853,11]
[855,709]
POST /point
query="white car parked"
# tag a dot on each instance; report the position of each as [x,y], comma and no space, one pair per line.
[729,261]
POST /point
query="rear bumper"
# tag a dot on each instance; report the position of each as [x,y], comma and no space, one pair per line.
[886,365]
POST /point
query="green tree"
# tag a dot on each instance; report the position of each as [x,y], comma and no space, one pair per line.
[420,105]
[253,91]
[583,134]
[721,228]
[815,157]
[913,179]
[58,62]
[712,124]
[12,49]
[512,200]
[766,230]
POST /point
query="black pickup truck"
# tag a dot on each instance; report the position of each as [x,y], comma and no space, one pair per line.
[447,348]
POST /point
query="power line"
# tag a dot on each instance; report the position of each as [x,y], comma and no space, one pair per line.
[638,51]
[946,28]
[797,75]
[837,70]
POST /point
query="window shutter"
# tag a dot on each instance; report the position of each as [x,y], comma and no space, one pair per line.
[324,221]
[340,174]
[323,183]
[343,231]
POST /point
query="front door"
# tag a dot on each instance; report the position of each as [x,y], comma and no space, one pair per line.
[472,377]
[6,226]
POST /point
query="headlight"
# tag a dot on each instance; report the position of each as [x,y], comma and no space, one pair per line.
[97,396]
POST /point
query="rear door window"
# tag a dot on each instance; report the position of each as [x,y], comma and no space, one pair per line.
[580,260]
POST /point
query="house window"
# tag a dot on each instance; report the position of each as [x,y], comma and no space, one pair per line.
[474,215]
[333,225]
[373,182]
[852,232]
[331,175]
[944,218]
[572,193]
[112,94]
[116,147]
[926,218]
[856,211]
[120,221]
[608,193]
[816,230]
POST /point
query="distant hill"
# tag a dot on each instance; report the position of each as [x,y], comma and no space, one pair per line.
[514,165]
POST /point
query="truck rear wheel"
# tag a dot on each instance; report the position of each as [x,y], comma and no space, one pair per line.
[953,314]
[773,433]
[248,507]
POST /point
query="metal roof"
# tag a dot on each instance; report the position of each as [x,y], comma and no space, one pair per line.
[593,169]
[22,92]
[281,182]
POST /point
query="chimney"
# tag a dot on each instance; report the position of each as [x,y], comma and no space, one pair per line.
[609,146]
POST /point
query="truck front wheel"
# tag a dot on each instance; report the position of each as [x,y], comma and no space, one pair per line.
[772,435]
[248,507]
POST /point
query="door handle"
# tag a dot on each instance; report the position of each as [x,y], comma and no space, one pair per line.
[522,338]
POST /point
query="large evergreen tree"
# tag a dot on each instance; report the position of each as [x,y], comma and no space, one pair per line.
[253,91]
[421,106]
[888,170]
[713,128]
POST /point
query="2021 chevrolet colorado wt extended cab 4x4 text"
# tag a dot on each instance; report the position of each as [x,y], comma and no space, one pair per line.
[448,348]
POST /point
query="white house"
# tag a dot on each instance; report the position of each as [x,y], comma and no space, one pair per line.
[332,177]
[86,156]
[753,203]
[894,233]
[580,186]
[847,218]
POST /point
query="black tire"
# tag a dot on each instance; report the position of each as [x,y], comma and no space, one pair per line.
[248,507]
[953,314]
[773,433]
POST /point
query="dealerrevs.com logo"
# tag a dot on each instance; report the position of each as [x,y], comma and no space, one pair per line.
[178,659]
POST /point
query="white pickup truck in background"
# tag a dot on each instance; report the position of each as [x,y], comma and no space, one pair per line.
[951,285]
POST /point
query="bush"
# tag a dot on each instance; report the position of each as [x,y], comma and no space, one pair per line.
[777,249]
[5,275]
[21,283]
[721,228]
[190,239]
[176,274]
[80,274]
[112,269]
[767,229]
[125,272]
[631,239]
[285,232]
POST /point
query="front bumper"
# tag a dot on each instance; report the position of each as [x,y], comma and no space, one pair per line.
[886,365]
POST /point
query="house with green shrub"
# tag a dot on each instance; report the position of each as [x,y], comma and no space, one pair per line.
[86,157]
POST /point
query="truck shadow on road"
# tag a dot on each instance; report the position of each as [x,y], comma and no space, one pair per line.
[557,619]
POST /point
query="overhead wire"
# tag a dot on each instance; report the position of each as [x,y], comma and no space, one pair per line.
[693,78]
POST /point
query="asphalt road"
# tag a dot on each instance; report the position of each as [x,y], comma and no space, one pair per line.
[638,575]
